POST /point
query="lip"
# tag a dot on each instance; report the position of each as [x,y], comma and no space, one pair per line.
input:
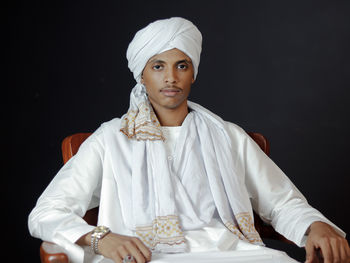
[170,92]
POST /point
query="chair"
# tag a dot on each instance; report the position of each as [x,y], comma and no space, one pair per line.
[52,253]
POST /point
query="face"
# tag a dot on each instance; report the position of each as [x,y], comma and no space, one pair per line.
[168,77]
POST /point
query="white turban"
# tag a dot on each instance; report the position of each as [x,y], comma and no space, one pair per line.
[160,36]
[140,121]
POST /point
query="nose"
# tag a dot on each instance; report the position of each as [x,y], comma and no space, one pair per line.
[170,76]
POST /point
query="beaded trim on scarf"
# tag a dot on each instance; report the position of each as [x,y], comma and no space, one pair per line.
[142,124]
[245,229]
[164,230]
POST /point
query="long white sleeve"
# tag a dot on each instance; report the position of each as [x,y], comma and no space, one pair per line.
[57,216]
[275,198]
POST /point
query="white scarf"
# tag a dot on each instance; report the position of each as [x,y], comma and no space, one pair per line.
[155,187]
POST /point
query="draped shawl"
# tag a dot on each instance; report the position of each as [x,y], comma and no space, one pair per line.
[155,186]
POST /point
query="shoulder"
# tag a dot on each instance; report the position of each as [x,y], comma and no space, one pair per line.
[232,129]
[113,124]
[239,137]
[235,131]
[107,129]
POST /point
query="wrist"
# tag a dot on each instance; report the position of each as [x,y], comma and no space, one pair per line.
[96,235]
[84,240]
[317,224]
[319,227]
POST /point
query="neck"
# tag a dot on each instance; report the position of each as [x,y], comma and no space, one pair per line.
[171,117]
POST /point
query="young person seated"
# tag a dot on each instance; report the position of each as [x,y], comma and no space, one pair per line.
[170,176]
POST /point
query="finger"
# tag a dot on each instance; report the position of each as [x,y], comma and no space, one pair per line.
[343,254]
[124,252]
[310,253]
[317,256]
[135,252]
[344,251]
[336,245]
[142,247]
[326,251]
[116,257]
[347,249]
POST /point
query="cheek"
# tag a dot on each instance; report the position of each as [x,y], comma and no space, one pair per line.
[153,80]
[189,79]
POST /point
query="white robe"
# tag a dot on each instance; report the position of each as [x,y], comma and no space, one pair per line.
[87,180]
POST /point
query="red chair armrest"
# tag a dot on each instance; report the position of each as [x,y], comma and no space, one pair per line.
[52,253]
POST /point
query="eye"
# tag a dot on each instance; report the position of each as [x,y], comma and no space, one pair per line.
[182,66]
[157,67]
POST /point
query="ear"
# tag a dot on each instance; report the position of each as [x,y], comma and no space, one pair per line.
[192,80]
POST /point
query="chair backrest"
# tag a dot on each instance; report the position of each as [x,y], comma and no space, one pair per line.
[261,141]
[71,144]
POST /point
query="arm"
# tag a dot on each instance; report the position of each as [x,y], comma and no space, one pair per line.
[57,214]
[280,203]
[274,197]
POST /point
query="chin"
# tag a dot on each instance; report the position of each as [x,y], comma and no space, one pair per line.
[173,105]
[170,104]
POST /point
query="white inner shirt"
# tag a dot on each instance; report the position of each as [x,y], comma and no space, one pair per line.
[171,134]
[213,237]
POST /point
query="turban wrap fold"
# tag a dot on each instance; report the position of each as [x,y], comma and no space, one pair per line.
[140,122]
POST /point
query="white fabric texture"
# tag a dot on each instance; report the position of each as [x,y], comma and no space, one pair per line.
[214,236]
[243,253]
[207,147]
[210,158]
[170,135]
[89,179]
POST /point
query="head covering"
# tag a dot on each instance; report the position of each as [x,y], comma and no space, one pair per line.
[160,36]
[140,122]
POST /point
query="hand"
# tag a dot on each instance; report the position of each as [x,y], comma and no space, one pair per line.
[116,247]
[324,242]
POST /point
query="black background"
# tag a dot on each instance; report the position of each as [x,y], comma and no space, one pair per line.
[281,68]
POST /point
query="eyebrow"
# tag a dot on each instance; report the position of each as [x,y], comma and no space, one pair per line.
[184,61]
[163,62]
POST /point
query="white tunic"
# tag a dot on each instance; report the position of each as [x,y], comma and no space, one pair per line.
[213,237]
[87,181]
